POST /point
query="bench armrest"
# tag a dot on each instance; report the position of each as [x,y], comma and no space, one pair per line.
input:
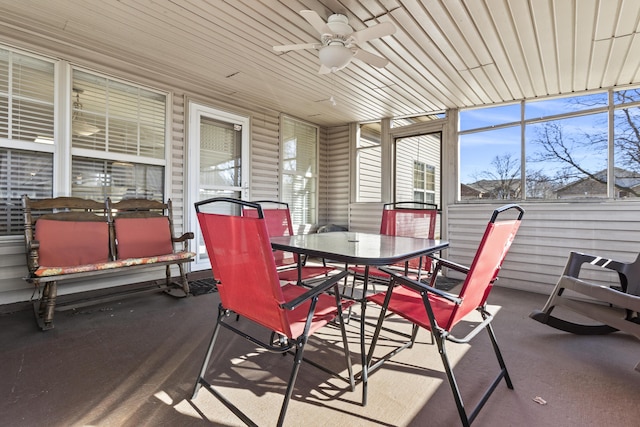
[186,236]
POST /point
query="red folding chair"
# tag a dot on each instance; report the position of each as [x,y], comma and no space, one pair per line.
[278,219]
[243,263]
[408,219]
[439,312]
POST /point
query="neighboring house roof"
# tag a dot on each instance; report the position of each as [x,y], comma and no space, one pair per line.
[624,178]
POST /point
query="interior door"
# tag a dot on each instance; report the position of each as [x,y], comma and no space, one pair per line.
[218,163]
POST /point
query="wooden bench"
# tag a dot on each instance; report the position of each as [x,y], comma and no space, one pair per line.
[73,238]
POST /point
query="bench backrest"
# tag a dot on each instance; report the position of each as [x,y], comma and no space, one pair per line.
[71,231]
[65,232]
[141,228]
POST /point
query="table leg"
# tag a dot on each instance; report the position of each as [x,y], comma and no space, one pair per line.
[365,363]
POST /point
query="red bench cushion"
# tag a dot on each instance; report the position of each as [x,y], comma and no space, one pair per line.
[70,243]
[143,237]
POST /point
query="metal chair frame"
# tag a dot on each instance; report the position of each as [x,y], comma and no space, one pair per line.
[443,310]
[264,315]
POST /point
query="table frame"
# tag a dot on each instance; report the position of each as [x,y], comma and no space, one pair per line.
[367,249]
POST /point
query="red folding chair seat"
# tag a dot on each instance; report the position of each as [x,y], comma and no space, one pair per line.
[243,263]
[439,312]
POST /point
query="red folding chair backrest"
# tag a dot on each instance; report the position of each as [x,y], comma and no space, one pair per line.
[278,220]
[410,222]
[485,267]
[242,260]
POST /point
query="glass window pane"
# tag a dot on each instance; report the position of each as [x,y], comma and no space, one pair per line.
[299,166]
[627,150]
[219,154]
[99,179]
[22,172]
[117,117]
[26,98]
[405,121]
[490,164]
[555,106]
[489,116]
[626,96]
[567,159]
[415,156]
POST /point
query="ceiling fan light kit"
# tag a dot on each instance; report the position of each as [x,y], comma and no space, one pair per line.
[339,43]
[335,56]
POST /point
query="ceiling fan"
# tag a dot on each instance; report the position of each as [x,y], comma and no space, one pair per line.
[339,43]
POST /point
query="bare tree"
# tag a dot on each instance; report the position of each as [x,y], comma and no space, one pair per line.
[560,148]
[503,181]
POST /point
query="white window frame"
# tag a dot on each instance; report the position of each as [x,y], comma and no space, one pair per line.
[315,176]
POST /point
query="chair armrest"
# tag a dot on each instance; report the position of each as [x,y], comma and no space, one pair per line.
[577,259]
[450,264]
[419,286]
[316,290]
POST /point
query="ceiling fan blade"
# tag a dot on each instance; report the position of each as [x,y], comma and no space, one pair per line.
[316,21]
[370,58]
[379,30]
[288,47]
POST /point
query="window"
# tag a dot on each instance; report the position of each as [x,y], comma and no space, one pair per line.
[564,143]
[26,134]
[117,143]
[369,163]
[299,170]
[118,139]
[424,182]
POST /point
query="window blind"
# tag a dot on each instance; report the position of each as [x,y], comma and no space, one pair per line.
[98,179]
[299,170]
[22,172]
[26,98]
[116,117]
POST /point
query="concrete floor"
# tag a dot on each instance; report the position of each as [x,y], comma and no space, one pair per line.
[134,363]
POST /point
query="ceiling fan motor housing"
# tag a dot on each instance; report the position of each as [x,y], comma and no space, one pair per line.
[339,25]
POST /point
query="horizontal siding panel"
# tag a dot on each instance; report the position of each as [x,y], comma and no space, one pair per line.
[549,231]
[335,178]
[365,217]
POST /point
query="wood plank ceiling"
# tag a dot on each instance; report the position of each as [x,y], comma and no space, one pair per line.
[444,54]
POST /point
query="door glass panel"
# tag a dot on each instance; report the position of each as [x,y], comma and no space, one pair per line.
[219,160]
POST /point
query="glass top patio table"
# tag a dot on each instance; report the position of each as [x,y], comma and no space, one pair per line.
[358,248]
[367,249]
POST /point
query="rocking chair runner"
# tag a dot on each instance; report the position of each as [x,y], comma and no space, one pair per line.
[243,262]
[427,307]
[616,309]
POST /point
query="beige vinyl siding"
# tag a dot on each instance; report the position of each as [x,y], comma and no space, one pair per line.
[335,177]
[549,231]
[365,217]
[265,143]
